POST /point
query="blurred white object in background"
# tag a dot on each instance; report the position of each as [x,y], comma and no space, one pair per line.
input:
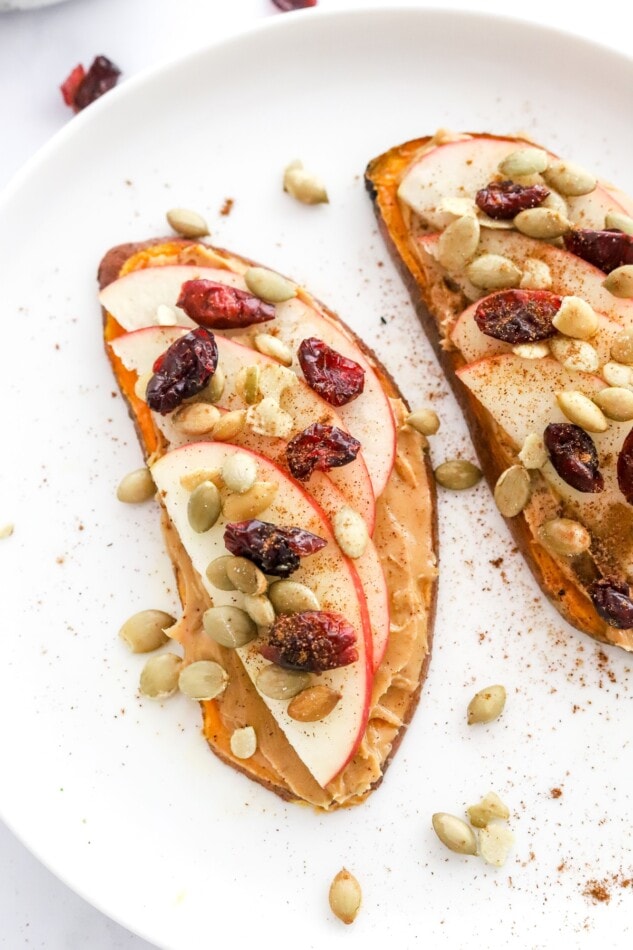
[6,5]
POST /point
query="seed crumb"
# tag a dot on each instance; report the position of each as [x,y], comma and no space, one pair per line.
[227,207]
[556,792]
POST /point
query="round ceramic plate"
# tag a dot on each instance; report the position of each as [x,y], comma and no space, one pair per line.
[120,797]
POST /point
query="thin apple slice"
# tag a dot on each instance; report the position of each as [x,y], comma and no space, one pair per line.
[325,747]
[138,351]
[461,169]
[133,301]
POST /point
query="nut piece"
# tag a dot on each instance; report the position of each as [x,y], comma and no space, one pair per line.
[620,281]
[259,609]
[212,392]
[350,531]
[564,537]
[533,454]
[239,472]
[229,425]
[619,221]
[622,347]
[574,354]
[302,185]
[216,573]
[188,223]
[454,833]
[488,808]
[251,503]
[345,896]
[136,487]
[512,491]
[204,507]
[196,418]
[244,742]
[569,179]
[245,576]
[576,318]
[536,275]
[277,683]
[531,351]
[580,410]
[268,418]
[425,421]
[616,403]
[272,346]
[524,161]
[458,243]
[203,679]
[159,676]
[291,597]
[191,480]
[269,286]
[493,272]
[247,384]
[486,705]
[457,474]
[6,530]
[145,631]
[275,379]
[542,223]
[616,374]
[229,626]
[495,844]
[313,704]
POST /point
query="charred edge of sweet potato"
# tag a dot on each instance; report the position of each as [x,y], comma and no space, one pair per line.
[382,178]
[112,266]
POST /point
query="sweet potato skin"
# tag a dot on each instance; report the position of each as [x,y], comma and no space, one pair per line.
[382,177]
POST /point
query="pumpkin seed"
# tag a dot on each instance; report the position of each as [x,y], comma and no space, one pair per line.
[542,223]
[536,275]
[191,480]
[196,418]
[580,410]
[247,384]
[136,487]
[268,418]
[512,491]
[246,576]
[277,683]
[486,810]
[244,742]
[159,676]
[313,704]
[574,354]
[304,186]
[616,403]
[454,833]
[456,207]
[533,453]
[495,844]
[616,374]
[202,680]
[269,286]
[259,609]
[212,392]
[569,179]
[188,223]
[217,574]
[557,203]
[272,346]
[230,425]
[486,705]
[458,243]
[524,161]
[229,626]
[564,536]
[239,472]
[291,597]
[619,221]
[531,351]
[350,532]
[425,421]
[204,507]
[145,631]
[140,386]
[345,896]
[493,272]
[252,503]
[166,316]
[620,281]
[457,474]
[622,347]
[576,318]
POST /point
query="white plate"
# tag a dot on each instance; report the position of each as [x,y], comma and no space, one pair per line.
[121,798]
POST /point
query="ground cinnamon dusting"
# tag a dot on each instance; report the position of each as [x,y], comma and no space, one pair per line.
[600,892]
[556,792]
[227,207]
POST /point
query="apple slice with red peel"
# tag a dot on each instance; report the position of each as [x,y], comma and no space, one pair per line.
[138,351]
[325,747]
[133,301]
[461,169]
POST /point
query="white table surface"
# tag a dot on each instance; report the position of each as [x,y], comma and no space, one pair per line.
[37,50]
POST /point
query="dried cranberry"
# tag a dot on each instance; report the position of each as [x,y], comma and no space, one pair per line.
[273,549]
[604,249]
[321,448]
[331,375]
[314,641]
[625,468]
[574,456]
[518,316]
[182,370]
[100,78]
[71,84]
[221,307]
[502,200]
[612,600]
[287,5]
